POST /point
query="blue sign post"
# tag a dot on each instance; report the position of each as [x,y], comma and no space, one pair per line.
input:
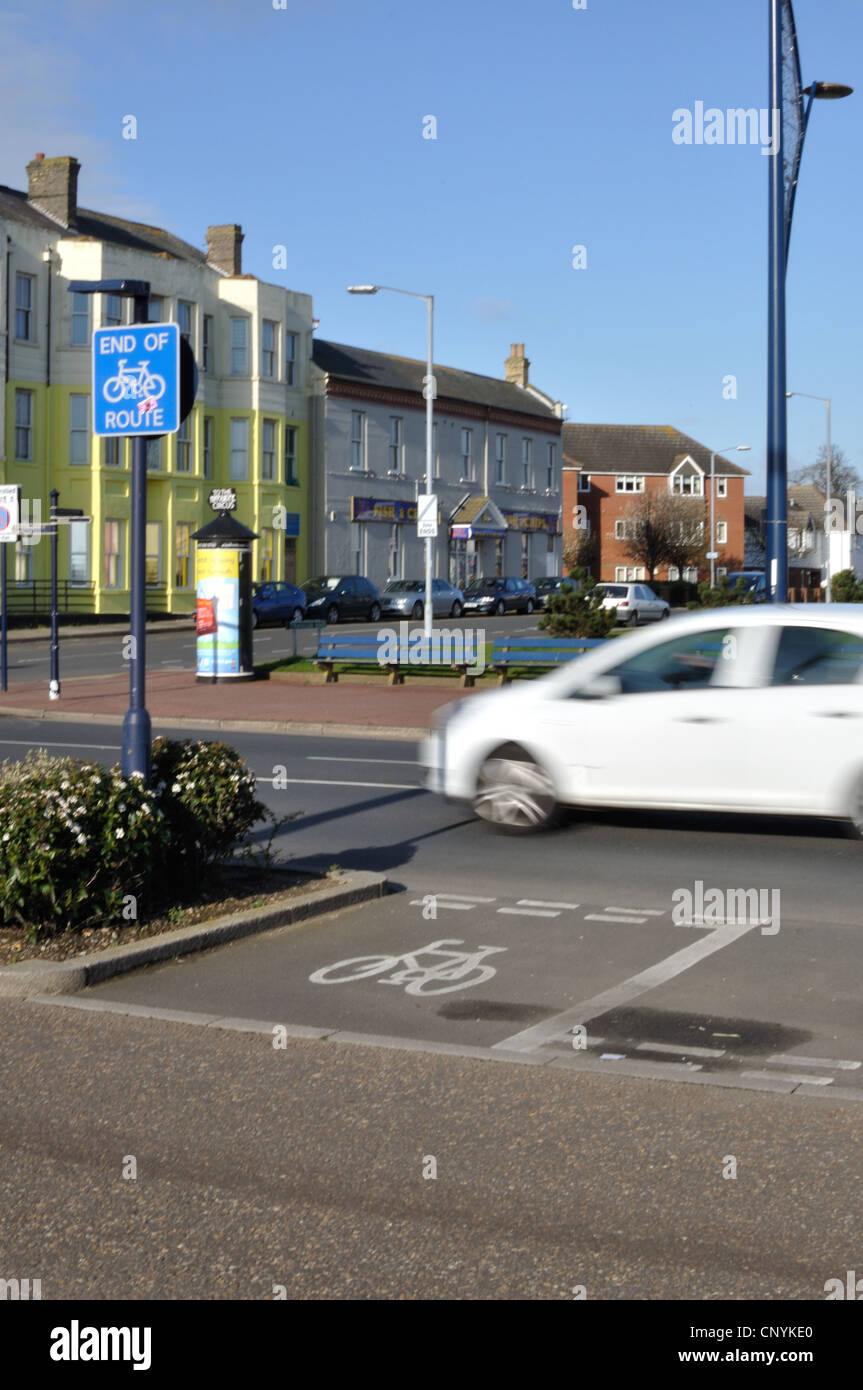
[136,380]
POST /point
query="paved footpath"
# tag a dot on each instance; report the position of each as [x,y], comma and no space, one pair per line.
[176,696]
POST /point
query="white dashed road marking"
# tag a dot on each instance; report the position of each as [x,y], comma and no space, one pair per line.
[539,902]
[790,1059]
[607,917]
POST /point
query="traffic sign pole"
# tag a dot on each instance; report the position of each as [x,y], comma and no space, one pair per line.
[54,682]
[3,680]
[137,729]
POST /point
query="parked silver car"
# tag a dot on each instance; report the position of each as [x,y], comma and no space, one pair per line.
[635,603]
[405,598]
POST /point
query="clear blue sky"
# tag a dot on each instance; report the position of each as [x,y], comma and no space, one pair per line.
[553,129]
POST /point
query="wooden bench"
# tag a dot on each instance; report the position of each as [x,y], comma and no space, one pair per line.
[538,652]
[370,649]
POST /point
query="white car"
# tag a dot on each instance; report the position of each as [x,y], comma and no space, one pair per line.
[735,709]
[635,603]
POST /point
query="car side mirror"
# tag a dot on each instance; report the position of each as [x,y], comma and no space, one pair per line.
[600,688]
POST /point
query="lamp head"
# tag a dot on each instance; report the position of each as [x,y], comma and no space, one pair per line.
[362,289]
[828,91]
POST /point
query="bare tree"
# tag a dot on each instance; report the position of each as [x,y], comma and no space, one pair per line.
[580,551]
[843,475]
[663,528]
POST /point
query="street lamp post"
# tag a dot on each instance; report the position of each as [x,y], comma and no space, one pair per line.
[826,402]
[429,393]
[783,171]
[734,448]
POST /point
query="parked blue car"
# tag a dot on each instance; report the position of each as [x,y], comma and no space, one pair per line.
[277,603]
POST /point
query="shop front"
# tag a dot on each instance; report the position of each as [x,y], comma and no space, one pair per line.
[485,542]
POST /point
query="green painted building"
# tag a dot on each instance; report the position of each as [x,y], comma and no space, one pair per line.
[249,428]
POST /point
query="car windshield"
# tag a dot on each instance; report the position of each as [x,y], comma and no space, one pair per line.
[321,585]
[481,586]
[402,586]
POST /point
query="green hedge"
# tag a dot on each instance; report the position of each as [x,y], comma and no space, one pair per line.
[79,842]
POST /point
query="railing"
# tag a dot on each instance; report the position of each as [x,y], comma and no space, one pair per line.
[34,596]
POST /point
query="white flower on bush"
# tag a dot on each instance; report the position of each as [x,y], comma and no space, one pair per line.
[119,834]
[82,839]
[177,787]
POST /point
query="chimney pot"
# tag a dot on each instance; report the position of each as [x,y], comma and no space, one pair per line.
[516,366]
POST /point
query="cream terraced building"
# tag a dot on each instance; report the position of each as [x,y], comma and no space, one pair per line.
[248,428]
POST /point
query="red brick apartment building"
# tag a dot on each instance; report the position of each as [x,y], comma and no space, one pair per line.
[605,467]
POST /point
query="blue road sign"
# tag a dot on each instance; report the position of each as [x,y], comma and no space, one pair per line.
[136,379]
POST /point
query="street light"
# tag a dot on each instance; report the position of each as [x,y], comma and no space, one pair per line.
[786,89]
[429,392]
[734,448]
[825,401]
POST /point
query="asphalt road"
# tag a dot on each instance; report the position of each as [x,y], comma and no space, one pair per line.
[575,919]
[175,650]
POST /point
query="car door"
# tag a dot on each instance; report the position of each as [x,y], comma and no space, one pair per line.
[673,736]
[804,732]
[510,596]
[264,603]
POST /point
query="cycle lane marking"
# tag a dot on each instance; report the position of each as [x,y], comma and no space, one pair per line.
[553,1028]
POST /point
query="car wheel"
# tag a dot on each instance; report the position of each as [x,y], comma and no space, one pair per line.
[457,610]
[664,614]
[298,615]
[633,622]
[500,608]
[417,611]
[375,613]
[854,825]
[514,794]
[530,606]
[332,615]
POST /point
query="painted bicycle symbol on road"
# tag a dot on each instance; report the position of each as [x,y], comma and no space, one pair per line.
[465,968]
[133,383]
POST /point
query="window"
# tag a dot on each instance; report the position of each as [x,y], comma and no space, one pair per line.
[207,344]
[79,432]
[79,552]
[584,482]
[817,656]
[266,552]
[268,463]
[112,456]
[698,659]
[673,574]
[688,484]
[268,348]
[628,574]
[80,334]
[527,463]
[24,426]
[208,446]
[154,309]
[466,474]
[186,319]
[182,550]
[358,440]
[621,530]
[721,572]
[184,446]
[115,310]
[721,487]
[629,482]
[25,295]
[239,451]
[23,563]
[291,478]
[690,574]
[239,347]
[394,569]
[500,459]
[721,532]
[291,376]
[153,557]
[525,554]
[550,467]
[153,454]
[396,451]
[291,559]
[113,554]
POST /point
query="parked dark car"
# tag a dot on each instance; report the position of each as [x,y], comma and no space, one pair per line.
[551,585]
[755,581]
[276,603]
[499,596]
[337,597]
[405,598]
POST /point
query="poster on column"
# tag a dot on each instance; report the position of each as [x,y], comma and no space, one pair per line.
[218,581]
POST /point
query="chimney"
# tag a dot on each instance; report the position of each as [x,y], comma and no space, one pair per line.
[224,248]
[53,186]
[516,365]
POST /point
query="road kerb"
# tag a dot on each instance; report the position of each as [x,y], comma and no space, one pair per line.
[67,977]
